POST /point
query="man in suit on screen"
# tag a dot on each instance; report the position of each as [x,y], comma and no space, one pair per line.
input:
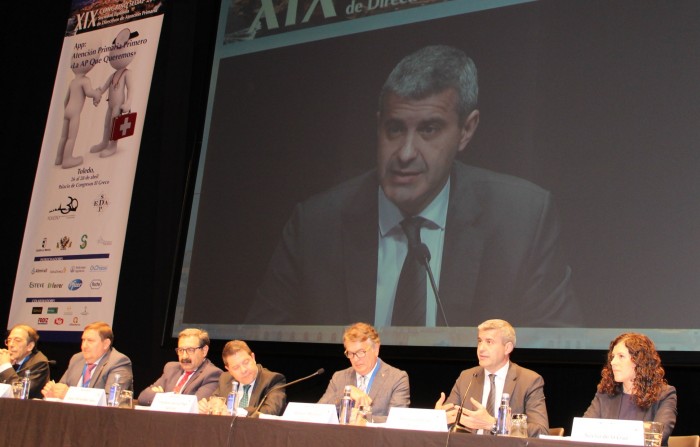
[492,239]
[373,382]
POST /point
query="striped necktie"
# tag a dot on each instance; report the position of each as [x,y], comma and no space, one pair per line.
[245,398]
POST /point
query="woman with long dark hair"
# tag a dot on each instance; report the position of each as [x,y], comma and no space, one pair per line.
[632,385]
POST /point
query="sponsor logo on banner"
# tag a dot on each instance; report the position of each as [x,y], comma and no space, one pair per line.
[63,270]
[95,283]
[75,322]
[58,321]
[101,241]
[42,321]
[98,268]
[85,311]
[68,311]
[77,268]
[64,209]
[54,285]
[36,285]
[37,310]
[75,284]
[100,203]
[52,310]
[83,241]
[64,243]
[36,270]
[43,246]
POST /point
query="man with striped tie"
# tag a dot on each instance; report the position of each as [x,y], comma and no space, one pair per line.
[96,366]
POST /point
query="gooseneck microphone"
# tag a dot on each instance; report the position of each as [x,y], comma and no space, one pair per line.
[461,403]
[256,413]
[424,255]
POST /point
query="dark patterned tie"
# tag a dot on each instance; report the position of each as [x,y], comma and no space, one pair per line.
[491,400]
[245,398]
[88,375]
[409,303]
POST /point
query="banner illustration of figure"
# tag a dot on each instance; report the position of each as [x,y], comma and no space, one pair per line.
[80,88]
[119,87]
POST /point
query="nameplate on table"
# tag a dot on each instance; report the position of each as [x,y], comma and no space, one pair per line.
[417,419]
[305,412]
[85,396]
[6,390]
[608,431]
[175,403]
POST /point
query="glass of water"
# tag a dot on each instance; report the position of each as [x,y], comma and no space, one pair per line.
[518,427]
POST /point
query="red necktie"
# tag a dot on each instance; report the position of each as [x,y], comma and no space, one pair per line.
[88,374]
[183,380]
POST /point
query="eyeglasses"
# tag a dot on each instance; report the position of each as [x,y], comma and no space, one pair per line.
[16,341]
[357,354]
[189,351]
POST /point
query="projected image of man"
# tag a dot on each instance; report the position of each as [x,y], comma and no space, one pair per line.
[358,251]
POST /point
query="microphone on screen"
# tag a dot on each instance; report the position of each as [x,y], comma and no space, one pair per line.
[256,412]
[461,404]
[423,254]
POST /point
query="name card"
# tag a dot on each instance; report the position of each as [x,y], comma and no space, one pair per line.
[417,419]
[85,396]
[6,390]
[608,431]
[175,403]
[305,412]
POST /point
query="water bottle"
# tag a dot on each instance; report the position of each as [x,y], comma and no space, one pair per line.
[114,392]
[231,400]
[504,416]
[26,382]
[345,406]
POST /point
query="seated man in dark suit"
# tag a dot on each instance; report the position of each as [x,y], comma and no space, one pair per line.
[496,375]
[192,374]
[96,366]
[22,356]
[372,381]
[255,382]
[494,238]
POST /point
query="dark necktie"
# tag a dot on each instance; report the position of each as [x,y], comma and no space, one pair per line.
[409,303]
[245,398]
[491,400]
[16,367]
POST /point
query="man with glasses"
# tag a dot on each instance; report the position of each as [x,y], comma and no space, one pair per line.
[255,382]
[21,356]
[96,366]
[193,373]
[373,382]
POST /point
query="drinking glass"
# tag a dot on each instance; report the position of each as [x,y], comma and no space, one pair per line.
[217,406]
[17,389]
[366,412]
[518,427]
[653,431]
[126,399]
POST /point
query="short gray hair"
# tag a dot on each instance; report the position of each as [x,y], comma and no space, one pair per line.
[507,331]
[432,70]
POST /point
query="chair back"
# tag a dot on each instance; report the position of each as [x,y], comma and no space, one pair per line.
[556,431]
[684,441]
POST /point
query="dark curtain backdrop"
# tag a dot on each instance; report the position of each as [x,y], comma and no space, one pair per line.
[32,37]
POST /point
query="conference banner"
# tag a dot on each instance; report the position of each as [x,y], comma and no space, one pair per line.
[71,255]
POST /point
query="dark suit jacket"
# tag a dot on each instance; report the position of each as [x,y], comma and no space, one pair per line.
[202,383]
[664,410]
[526,389]
[113,362]
[264,382]
[389,389]
[38,366]
[502,257]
